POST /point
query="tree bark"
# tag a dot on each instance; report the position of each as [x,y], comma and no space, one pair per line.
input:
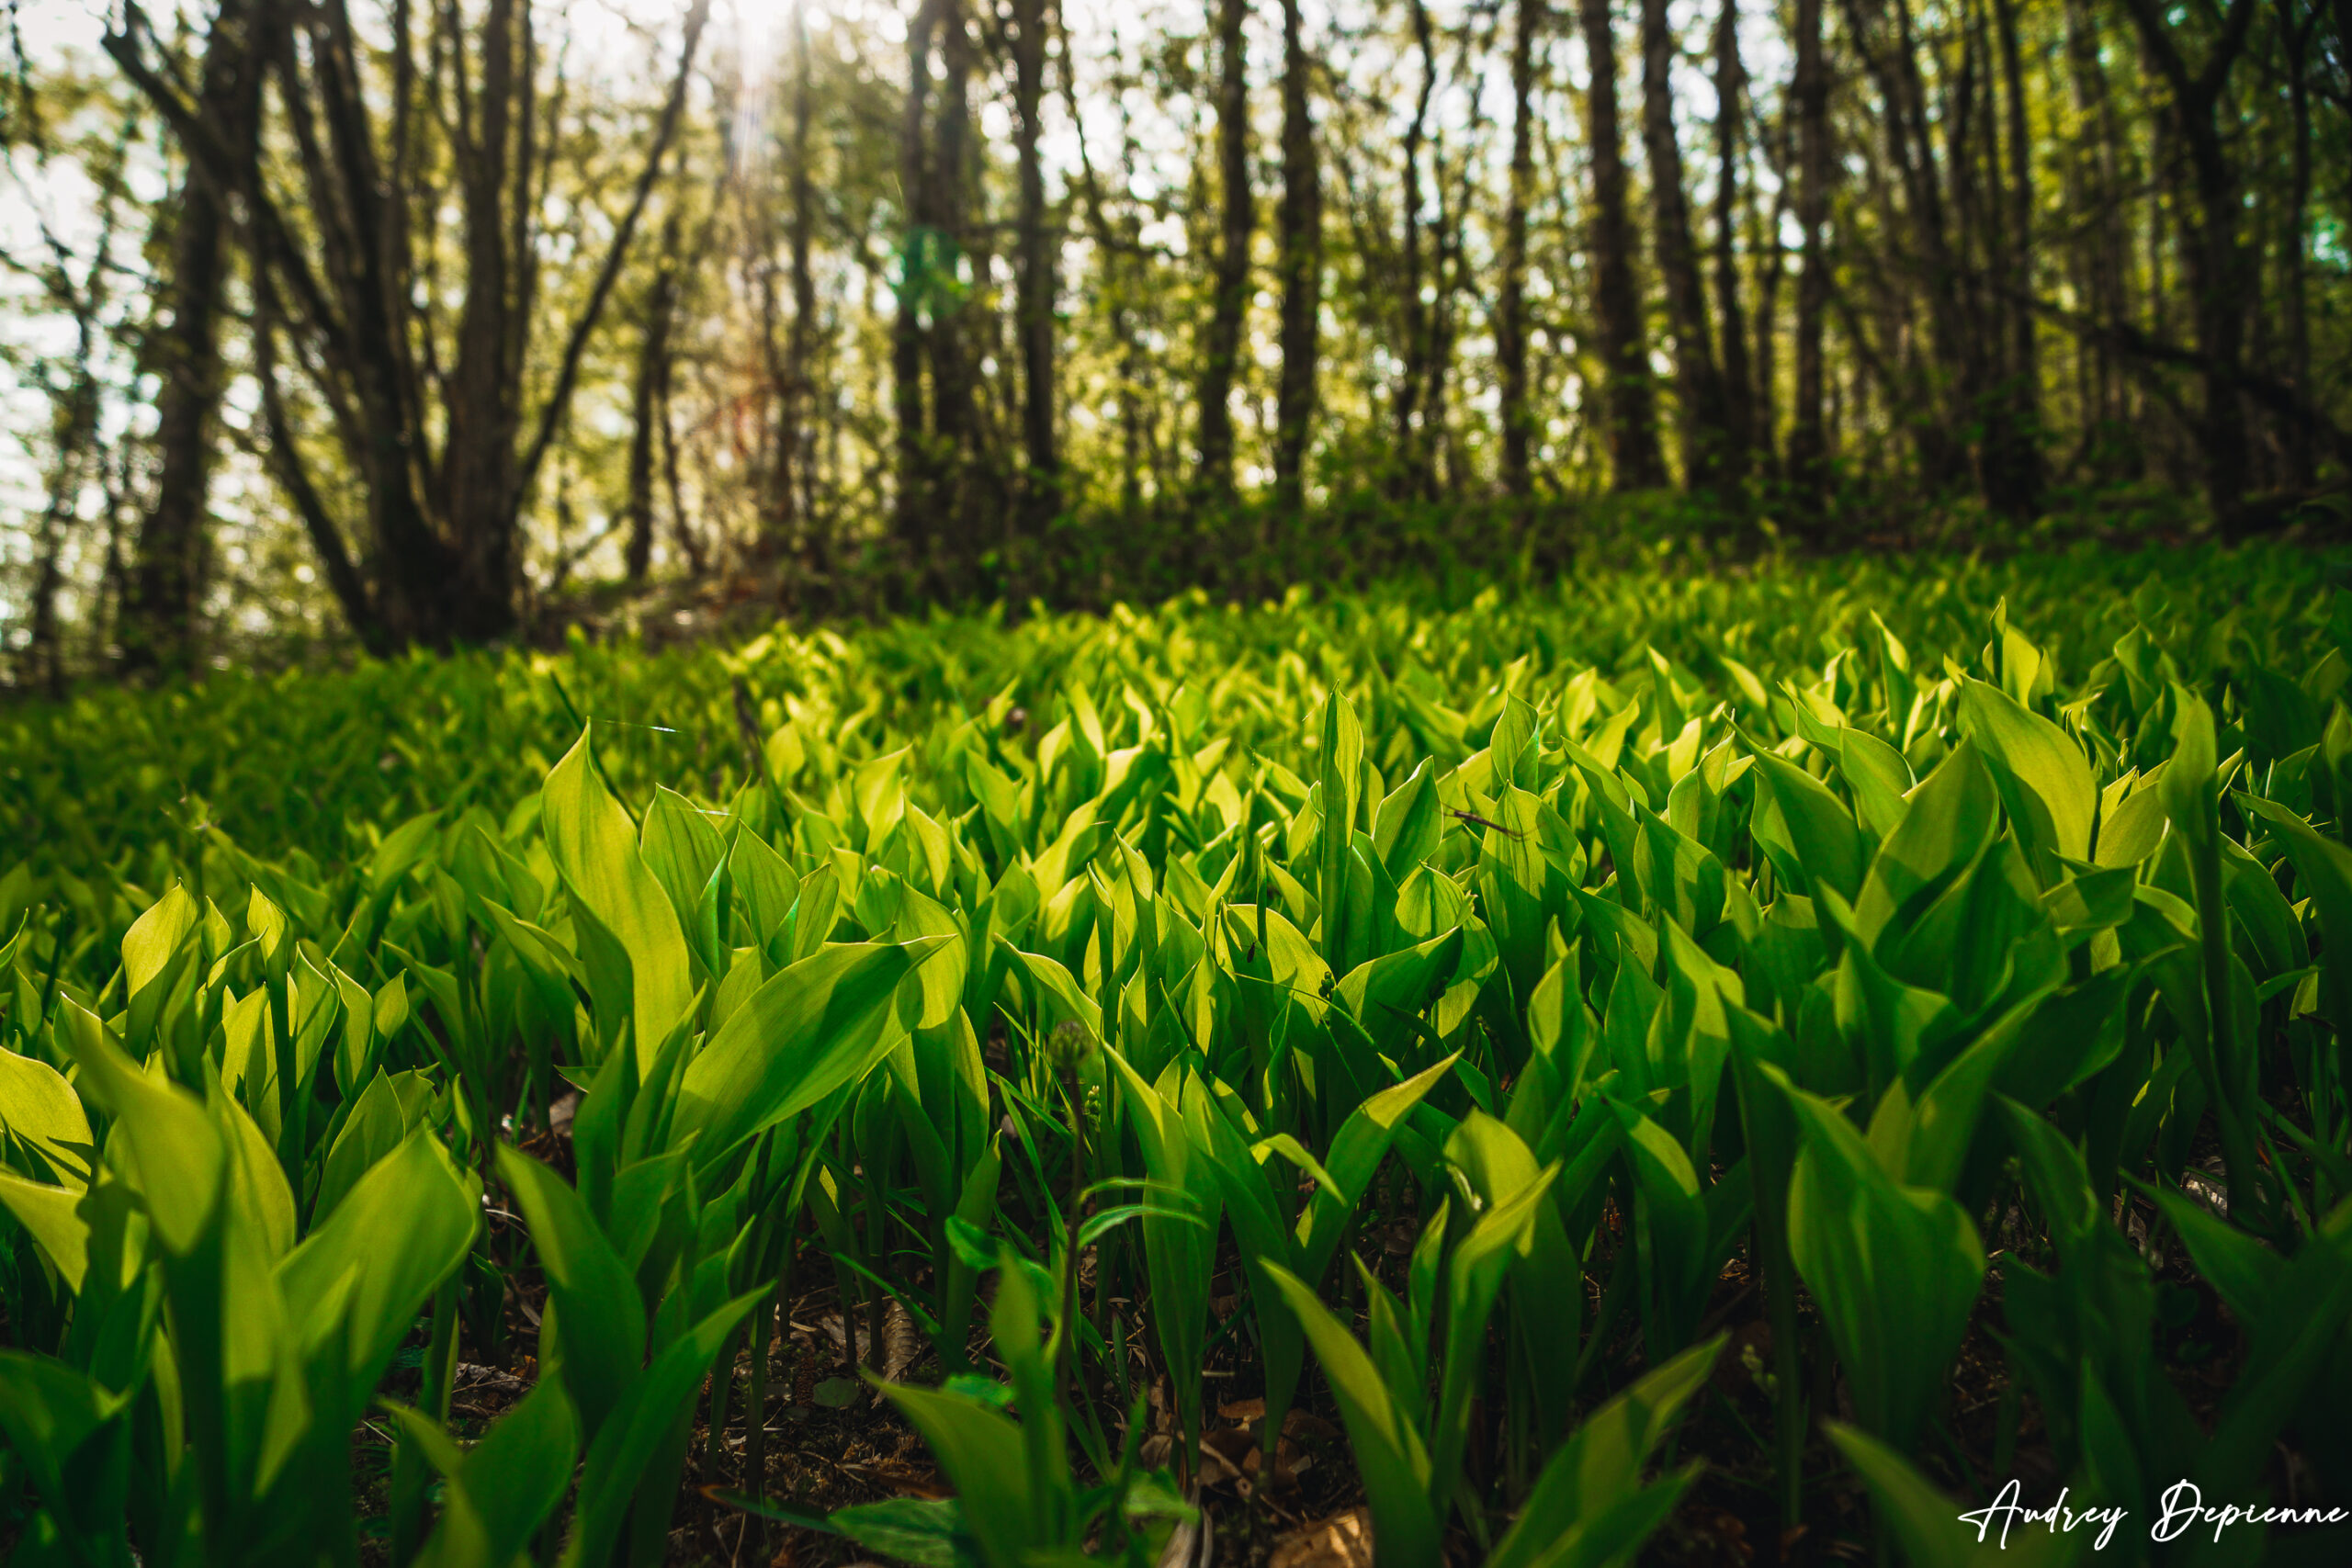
[2218,270]
[1738,391]
[1510,302]
[1706,437]
[650,398]
[796,453]
[2016,468]
[954,463]
[1414,348]
[1764,243]
[1630,405]
[1221,345]
[2105,258]
[1945,383]
[915,501]
[1808,463]
[2294,237]
[447,526]
[1042,490]
[1299,223]
[158,628]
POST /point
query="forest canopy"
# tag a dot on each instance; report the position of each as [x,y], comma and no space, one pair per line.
[368,321]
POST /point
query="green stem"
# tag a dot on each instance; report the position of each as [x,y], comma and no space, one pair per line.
[1066,1347]
[410,1469]
[755,1403]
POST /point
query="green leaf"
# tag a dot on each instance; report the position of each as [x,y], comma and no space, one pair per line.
[1949,819]
[595,852]
[1829,844]
[1408,823]
[1407,1531]
[51,1214]
[355,1286]
[41,1110]
[2045,779]
[598,1319]
[824,1022]
[1895,1269]
[499,1491]
[1339,775]
[1934,1530]
[60,1425]
[181,1159]
[156,937]
[982,1452]
[1572,1511]
[621,1458]
[927,1532]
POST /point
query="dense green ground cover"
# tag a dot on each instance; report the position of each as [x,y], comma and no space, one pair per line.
[1900,967]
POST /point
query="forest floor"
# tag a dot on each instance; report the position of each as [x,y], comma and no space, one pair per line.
[746,598]
[833,1442]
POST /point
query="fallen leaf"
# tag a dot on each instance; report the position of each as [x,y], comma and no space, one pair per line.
[1343,1541]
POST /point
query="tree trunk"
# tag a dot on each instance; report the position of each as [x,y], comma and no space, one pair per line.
[1764,243]
[1808,465]
[352,291]
[1631,408]
[2218,271]
[1119,250]
[1221,347]
[797,451]
[2294,240]
[1450,273]
[159,611]
[478,469]
[1299,221]
[2016,467]
[1042,490]
[915,500]
[955,421]
[1948,380]
[1413,356]
[1706,437]
[2105,256]
[74,430]
[1510,304]
[650,398]
[1738,394]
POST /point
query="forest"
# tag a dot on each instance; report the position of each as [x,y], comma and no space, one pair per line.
[394,325]
[1424,784]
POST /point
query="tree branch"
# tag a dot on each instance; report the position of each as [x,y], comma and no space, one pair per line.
[552,416]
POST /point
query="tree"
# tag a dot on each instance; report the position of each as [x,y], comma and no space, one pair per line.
[1298,222]
[162,590]
[2013,468]
[1736,380]
[1808,438]
[1630,406]
[1229,283]
[1708,461]
[79,288]
[2218,271]
[1037,244]
[1511,301]
[445,447]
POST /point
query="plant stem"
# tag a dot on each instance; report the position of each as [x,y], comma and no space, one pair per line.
[410,1471]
